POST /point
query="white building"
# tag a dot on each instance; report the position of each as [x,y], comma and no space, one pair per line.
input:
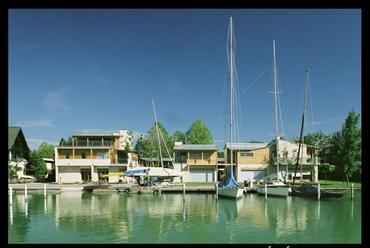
[287,157]
[88,155]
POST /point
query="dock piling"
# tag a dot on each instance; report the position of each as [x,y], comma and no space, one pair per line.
[44,190]
[183,191]
[10,195]
[352,191]
[265,190]
[25,192]
[216,191]
[318,192]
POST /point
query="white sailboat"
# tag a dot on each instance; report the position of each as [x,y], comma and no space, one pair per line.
[229,187]
[273,185]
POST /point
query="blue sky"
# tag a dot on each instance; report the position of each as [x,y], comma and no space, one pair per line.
[73,71]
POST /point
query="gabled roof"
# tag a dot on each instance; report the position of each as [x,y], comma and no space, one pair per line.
[12,135]
[189,147]
[246,146]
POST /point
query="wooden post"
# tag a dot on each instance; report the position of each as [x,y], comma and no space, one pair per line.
[183,191]
[265,190]
[44,190]
[10,195]
[318,192]
[352,191]
[216,191]
[251,185]
[25,191]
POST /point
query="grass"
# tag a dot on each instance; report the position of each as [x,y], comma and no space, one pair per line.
[338,184]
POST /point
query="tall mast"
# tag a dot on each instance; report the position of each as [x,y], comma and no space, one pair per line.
[231,91]
[159,142]
[302,128]
[276,109]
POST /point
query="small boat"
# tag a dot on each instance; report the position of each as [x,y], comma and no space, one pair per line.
[274,187]
[307,190]
[90,188]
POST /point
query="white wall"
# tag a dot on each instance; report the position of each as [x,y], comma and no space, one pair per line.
[69,174]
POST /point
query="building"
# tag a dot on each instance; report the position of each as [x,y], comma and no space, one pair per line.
[249,160]
[88,155]
[197,163]
[50,167]
[18,150]
[287,157]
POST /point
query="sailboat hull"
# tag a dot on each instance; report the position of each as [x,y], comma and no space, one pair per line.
[230,192]
[274,190]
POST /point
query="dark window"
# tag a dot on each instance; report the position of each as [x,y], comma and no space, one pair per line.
[83,155]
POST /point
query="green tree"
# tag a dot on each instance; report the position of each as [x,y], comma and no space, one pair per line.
[36,166]
[319,139]
[179,136]
[46,150]
[255,141]
[198,133]
[327,168]
[147,145]
[351,145]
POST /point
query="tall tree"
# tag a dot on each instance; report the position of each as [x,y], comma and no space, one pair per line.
[36,166]
[351,145]
[147,145]
[198,133]
[179,136]
[46,150]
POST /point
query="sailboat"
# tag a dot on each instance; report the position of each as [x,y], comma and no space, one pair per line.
[229,187]
[307,190]
[158,175]
[273,185]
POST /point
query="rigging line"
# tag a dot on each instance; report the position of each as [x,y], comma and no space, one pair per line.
[254,81]
[280,89]
[160,132]
[311,105]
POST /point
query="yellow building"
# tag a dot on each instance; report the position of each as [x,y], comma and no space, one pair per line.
[88,155]
[197,163]
[249,160]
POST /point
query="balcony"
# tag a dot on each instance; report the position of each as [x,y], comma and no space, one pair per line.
[199,161]
[302,160]
[82,162]
[91,143]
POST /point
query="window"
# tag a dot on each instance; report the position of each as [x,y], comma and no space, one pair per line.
[196,155]
[83,155]
[246,154]
[67,155]
[102,155]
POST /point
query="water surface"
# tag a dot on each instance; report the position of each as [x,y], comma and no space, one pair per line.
[78,217]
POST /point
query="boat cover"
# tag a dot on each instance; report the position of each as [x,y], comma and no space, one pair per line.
[137,172]
[229,181]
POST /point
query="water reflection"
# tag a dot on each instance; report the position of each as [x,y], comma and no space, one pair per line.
[11,214]
[197,218]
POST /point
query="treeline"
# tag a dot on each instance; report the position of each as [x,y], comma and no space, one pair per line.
[147,145]
[340,152]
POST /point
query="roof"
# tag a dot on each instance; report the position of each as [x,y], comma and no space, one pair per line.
[196,147]
[246,146]
[95,135]
[156,159]
[12,135]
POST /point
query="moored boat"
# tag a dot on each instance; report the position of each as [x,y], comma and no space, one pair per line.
[307,190]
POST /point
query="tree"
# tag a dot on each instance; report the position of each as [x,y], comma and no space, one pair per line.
[179,136]
[319,139]
[147,145]
[198,133]
[351,145]
[327,168]
[46,150]
[255,141]
[36,166]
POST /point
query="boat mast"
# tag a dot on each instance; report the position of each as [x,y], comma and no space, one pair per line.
[276,109]
[231,92]
[159,142]
[302,128]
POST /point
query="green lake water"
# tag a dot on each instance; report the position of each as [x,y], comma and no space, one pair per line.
[78,217]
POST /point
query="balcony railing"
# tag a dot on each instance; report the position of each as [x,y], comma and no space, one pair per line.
[88,144]
[303,160]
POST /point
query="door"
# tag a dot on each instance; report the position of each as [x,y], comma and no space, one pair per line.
[201,175]
[85,175]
